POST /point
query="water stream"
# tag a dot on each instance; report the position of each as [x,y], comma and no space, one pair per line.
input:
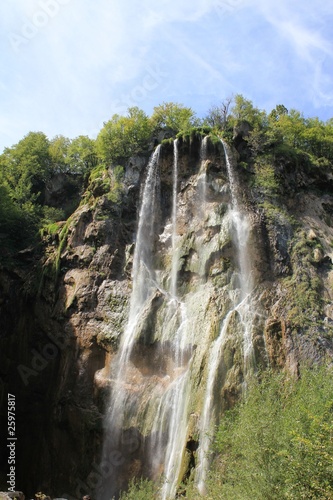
[203,174]
[156,399]
[143,276]
[241,300]
[170,423]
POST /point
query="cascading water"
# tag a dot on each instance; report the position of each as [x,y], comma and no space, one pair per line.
[240,229]
[164,396]
[174,267]
[143,270]
[121,401]
[170,423]
[241,304]
[203,173]
[240,232]
[157,372]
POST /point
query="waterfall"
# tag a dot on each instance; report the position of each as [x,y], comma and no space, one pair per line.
[121,400]
[203,173]
[240,228]
[207,426]
[156,372]
[143,271]
[240,232]
[170,423]
[240,298]
[174,267]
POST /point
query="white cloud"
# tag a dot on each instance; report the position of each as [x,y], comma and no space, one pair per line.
[92,58]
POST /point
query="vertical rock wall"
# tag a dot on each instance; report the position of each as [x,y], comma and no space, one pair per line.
[60,333]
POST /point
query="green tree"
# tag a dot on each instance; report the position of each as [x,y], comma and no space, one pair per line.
[290,128]
[81,154]
[243,110]
[175,116]
[277,112]
[317,138]
[58,150]
[25,167]
[123,136]
[278,442]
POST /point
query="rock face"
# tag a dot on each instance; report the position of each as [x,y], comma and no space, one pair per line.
[61,329]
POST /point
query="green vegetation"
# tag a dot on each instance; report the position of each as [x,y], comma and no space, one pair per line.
[281,132]
[265,178]
[140,490]
[124,136]
[176,117]
[277,443]
[103,181]
[278,141]
[62,243]
[304,297]
[27,172]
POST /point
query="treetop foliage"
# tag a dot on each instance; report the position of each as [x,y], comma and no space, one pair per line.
[27,168]
[123,136]
[174,116]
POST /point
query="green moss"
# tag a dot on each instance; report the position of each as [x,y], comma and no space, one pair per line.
[167,142]
[304,300]
[265,178]
[103,181]
[274,212]
[50,229]
[194,132]
[62,244]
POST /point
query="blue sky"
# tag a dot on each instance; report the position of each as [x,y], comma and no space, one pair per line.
[69,65]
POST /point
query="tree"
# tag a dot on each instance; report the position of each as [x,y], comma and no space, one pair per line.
[81,154]
[26,166]
[277,443]
[277,112]
[243,110]
[291,127]
[123,136]
[59,152]
[218,114]
[174,116]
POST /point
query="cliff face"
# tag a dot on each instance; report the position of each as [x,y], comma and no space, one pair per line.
[61,331]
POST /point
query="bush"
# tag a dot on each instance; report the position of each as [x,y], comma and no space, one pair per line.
[278,442]
[142,489]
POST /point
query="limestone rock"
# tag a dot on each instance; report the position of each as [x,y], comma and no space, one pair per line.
[66,329]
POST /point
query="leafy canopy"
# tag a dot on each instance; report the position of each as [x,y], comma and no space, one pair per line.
[174,116]
[278,442]
[123,136]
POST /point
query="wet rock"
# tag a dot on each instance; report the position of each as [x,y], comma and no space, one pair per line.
[80,315]
[275,337]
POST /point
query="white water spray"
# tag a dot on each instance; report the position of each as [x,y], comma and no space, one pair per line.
[174,266]
[143,287]
[203,174]
[170,423]
[143,270]
[242,306]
